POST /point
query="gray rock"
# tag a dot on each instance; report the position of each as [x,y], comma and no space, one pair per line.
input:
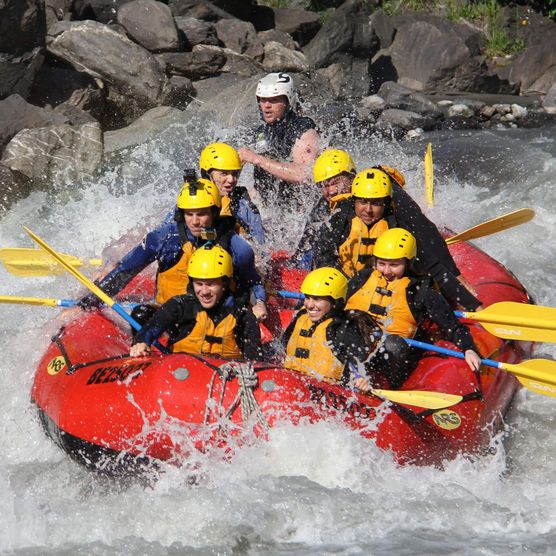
[101,52]
[56,152]
[17,114]
[549,100]
[240,64]
[149,126]
[398,96]
[529,67]
[404,119]
[460,110]
[14,186]
[196,31]
[300,24]
[103,11]
[150,23]
[337,34]
[277,57]
[273,35]
[241,37]
[203,61]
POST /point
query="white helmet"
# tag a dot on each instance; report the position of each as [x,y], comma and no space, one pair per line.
[275,85]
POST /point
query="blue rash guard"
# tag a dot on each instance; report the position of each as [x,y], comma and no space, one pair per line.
[164,245]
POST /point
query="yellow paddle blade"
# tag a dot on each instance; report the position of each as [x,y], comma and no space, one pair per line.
[419,398]
[429,176]
[518,321]
[28,300]
[83,279]
[35,262]
[537,375]
[495,225]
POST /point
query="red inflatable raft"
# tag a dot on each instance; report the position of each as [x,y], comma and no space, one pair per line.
[117,414]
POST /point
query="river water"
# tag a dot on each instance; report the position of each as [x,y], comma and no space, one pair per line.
[313,489]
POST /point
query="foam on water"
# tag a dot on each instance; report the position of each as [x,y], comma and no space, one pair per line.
[309,489]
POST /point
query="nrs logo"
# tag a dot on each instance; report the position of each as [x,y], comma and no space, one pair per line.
[446,419]
[55,365]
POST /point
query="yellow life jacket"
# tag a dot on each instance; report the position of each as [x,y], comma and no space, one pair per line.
[206,338]
[356,251]
[387,302]
[174,280]
[308,350]
[226,210]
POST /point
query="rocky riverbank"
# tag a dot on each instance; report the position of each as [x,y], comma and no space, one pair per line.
[83,79]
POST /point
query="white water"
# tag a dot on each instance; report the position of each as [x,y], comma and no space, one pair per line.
[309,490]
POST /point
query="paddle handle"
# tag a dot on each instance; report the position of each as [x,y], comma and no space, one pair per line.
[450,352]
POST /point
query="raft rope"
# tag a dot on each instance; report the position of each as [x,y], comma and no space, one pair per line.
[247,382]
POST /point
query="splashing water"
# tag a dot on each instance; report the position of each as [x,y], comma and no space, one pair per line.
[309,489]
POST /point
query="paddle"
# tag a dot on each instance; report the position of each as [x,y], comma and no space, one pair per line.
[34,262]
[429,176]
[507,319]
[537,375]
[418,398]
[45,301]
[516,321]
[495,225]
[90,285]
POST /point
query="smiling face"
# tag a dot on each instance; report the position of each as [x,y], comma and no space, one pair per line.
[391,269]
[317,306]
[225,180]
[369,210]
[198,219]
[209,291]
[336,185]
[273,108]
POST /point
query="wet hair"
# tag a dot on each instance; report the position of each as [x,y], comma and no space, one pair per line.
[368,328]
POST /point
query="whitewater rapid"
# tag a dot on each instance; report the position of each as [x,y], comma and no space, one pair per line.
[312,489]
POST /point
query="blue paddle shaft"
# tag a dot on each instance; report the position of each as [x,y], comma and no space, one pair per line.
[450,352]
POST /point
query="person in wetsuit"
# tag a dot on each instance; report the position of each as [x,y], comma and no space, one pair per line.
[333,172]
[220,163]
[401,301]
[286,143]
[347,240]
[196,221]
[209,319]
[322,340]
[433,256]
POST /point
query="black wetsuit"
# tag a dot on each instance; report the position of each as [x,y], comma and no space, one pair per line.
[276,141]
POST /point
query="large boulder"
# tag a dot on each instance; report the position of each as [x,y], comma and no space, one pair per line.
[150,23]
[132,75]
[196,31]
[278,57]
[432,54]
[203,61]
[22,38]
[347,30]
[300,24]
[534,70]
[241,37]
[17,114]
[45,154]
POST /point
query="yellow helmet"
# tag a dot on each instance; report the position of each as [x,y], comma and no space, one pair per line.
[371,184]
[219,156]
[330,163]
[199,194]
[394,174]
[210,262]
[325,282]
[395,243]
